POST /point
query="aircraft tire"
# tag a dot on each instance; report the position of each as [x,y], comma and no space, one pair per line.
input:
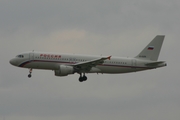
[29,76]
[84,78]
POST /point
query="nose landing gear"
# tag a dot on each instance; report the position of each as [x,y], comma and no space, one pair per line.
[30,71]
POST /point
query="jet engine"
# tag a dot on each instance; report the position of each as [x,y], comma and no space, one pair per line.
[64,70]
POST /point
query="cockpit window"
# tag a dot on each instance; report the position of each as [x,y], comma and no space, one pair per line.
[20,56]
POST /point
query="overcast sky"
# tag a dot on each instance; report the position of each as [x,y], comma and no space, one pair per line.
[107,27]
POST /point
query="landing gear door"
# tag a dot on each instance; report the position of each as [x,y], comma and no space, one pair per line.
[31,56]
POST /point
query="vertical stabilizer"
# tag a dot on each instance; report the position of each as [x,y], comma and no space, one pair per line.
[152,50]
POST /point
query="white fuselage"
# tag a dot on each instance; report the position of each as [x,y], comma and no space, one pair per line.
[52,61]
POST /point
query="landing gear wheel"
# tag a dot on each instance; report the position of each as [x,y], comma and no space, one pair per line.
[29,76]
[30,71]
[82,78]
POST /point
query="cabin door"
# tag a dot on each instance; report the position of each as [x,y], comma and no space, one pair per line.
[133,63]
[31,56]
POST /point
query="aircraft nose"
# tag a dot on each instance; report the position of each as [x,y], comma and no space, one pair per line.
[12,62]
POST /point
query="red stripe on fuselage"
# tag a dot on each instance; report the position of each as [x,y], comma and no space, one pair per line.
[61,62]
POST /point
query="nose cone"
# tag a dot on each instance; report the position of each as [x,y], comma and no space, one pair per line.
[13,62]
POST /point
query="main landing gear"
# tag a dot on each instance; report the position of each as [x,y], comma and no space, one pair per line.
[30,71]
[82,78]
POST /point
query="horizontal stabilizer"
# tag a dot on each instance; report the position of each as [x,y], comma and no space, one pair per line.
[158,64]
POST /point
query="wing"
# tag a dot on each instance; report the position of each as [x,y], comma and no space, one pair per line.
[86,66]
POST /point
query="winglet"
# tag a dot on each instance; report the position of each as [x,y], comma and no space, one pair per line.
[109,57]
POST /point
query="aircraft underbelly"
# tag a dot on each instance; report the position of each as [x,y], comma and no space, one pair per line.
[115,70]
[107,69]
[42,65]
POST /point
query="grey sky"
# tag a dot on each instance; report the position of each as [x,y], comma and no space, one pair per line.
[117,28]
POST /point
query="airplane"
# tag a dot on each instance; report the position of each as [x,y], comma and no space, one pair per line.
[66,64]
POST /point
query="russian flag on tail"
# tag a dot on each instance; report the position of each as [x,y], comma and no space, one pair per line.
[151,48]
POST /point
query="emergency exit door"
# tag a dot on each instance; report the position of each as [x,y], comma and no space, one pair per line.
[31,56]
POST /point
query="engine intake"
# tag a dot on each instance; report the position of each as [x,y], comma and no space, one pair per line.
[64,70]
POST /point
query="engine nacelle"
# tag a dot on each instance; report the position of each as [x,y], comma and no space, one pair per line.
[64,70]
